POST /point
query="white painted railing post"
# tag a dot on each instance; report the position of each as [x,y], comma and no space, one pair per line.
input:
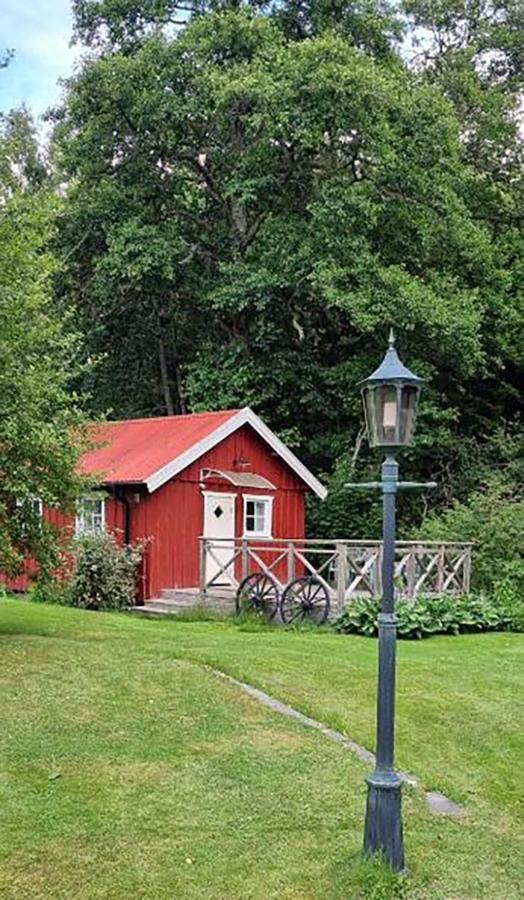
[291,562]
[203,552]
[410,574]
[440,569]
[341,575]
[245,559]
[467,570]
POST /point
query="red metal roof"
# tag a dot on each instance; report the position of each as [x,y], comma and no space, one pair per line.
[134,449]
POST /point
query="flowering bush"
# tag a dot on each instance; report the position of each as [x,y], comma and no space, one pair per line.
[104,573]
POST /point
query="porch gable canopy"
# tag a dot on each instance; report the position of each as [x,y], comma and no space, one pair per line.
[239,479]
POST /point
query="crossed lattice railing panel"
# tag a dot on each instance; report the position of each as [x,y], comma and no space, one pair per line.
[346,568]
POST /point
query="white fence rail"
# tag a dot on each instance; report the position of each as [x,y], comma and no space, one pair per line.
[346,568]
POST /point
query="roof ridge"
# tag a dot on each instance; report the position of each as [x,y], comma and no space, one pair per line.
[212,412]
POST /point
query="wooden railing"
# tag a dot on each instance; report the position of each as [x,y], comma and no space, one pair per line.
[346,568]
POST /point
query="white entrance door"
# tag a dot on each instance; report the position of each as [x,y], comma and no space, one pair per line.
[219,522]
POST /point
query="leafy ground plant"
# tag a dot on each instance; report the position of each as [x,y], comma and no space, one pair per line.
[426,616]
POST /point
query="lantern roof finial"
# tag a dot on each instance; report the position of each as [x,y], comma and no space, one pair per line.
[391,368]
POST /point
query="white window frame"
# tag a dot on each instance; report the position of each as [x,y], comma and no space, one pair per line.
[267,532]
[36,503]
[80,528]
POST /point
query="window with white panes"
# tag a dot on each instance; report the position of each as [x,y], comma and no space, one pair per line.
[257,516]
[32,510]
[34,504]
[90,515]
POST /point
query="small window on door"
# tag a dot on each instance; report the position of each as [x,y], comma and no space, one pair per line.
[90,515]
[257,516]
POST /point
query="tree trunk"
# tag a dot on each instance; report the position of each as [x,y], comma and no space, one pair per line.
[181,400]
[164,379]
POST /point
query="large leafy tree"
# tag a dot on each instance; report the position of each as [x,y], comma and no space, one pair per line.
[250,208]
[40,424]
[370,25]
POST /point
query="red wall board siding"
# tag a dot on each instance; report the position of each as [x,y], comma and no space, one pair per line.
[171,518]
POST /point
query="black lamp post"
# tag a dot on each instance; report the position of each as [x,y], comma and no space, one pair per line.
[390,398]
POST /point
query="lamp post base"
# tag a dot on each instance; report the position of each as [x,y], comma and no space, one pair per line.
[383,829]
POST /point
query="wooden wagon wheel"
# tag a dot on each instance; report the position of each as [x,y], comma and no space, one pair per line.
[304,598]
[258,592]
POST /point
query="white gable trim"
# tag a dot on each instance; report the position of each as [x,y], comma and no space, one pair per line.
[245,416]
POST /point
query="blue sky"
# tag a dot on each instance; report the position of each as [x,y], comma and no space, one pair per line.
[39,32]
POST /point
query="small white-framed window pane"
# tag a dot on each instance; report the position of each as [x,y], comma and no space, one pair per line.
[250,515]
[257,517]
[32,503]
[90,516]
[261,516]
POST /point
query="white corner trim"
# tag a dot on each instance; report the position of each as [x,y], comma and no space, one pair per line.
[245,416]
[285,453]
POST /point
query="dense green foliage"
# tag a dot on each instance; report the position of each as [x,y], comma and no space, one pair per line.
[104,575]
[257,193]
[434,615]
[494,519]
[38,357]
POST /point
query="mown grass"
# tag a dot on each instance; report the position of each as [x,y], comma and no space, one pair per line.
[128,769]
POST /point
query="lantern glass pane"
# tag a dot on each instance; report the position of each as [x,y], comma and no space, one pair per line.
[390,411]
[387,414]
[408,409]
[381,406]
[369,414]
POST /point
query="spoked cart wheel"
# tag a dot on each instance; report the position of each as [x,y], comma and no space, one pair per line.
[258,592]
[304,598]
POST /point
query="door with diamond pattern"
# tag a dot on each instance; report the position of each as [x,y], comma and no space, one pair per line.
[219,522]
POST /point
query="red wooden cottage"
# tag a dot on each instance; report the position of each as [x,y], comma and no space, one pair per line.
[167,481]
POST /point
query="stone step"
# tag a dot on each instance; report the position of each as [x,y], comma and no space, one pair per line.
[191,596]
[160,606]
[179,601]
[172,594]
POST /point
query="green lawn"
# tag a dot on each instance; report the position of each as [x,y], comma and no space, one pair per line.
[127,769]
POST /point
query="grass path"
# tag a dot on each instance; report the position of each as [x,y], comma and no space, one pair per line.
[128,770]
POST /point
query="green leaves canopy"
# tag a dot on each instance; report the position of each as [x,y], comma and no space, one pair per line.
[38,450]
[249,212]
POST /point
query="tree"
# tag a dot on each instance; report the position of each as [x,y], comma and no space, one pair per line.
[248,214]
[40,433]
[21,163]
[374,26]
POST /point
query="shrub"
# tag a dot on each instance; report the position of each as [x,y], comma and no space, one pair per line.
[104,574]
[52,590]
[494,519]
[434,615]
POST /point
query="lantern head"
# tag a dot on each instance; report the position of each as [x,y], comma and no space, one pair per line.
[391,396]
